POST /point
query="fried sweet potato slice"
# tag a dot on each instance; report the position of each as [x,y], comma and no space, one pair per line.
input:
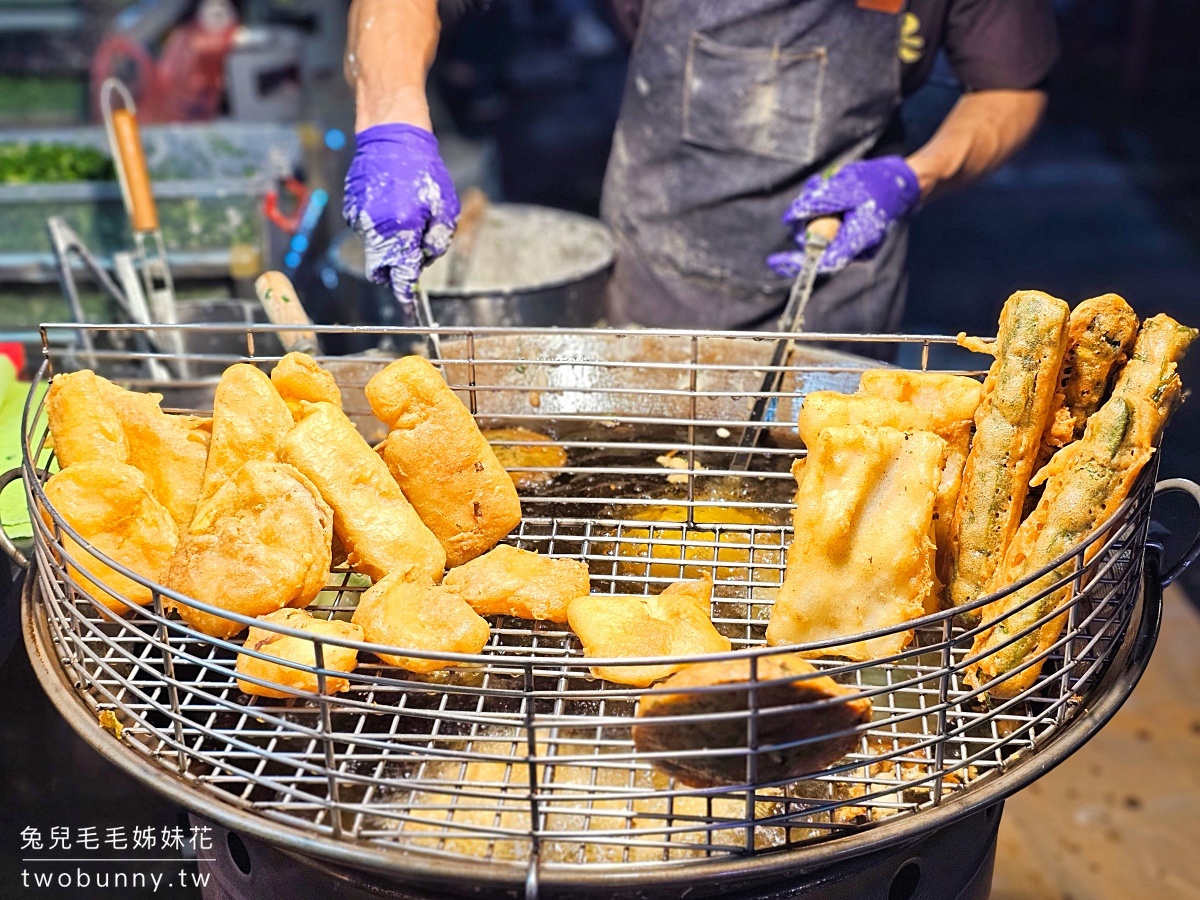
[288,649]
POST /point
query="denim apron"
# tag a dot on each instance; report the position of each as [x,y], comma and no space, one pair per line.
[729,106]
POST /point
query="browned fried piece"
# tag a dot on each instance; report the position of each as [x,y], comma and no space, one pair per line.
[534,451]
[419,615]
[441,461]
[1017,395]
[676,622]
[110,505]
[829,409]
[250,420]
[1099,340]
[380,531]
[288,649]
[797,706]
[299,378]
[83,426]
[506,581]
[170,450]
[259,544]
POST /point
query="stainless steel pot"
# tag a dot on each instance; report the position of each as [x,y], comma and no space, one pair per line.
[527,266]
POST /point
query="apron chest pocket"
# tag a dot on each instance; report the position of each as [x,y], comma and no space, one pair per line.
[765,101]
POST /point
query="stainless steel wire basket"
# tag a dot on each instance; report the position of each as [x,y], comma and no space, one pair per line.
[516,767]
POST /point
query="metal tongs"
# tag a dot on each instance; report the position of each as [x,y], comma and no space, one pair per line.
[817,236]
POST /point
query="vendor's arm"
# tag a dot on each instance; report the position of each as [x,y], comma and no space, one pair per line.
[982,131]
[398,194]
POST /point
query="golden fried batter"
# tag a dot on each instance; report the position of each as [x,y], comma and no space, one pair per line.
[416,614]
[506,581]
[299,378]
[862,557]
[441,461]
[299,651]
[250,420]
[380,531]
[1009,423]
[260,543]
[676,622]
[110,505]
[170,450]
[536,451]
[83,426]
[815,717]
[1085,483]
[828,409]
[1099,338]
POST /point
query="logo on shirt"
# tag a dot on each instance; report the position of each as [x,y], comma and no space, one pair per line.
[912,45]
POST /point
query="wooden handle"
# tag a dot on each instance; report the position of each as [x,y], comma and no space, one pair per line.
[475,203]
[132,160]
[282,304]
[825,228]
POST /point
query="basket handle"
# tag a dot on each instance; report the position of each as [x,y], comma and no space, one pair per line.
[1192,489]
[6,544]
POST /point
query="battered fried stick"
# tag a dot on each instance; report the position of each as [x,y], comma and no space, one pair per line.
[380,531]
[1099,339]
[1085,483]
[83,425]
[1008,428]
[299,378]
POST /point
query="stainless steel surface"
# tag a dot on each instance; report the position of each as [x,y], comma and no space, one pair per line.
[557,277]
[516,764]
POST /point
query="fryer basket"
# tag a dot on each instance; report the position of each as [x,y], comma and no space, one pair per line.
[515,766]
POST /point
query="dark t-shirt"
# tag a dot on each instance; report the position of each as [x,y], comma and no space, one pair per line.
[992,44]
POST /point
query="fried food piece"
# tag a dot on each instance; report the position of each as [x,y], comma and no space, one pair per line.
[259,544]
[170,450]
[380,531]
[110,505]
[83,425]
[806,713]
[250,420]
[1009,423]
[676,622]
[1085,483]
[951,402]
[862,557]
[419,615]
[536,452]
[299,378]
[441,461]
[1099,338]
[830,409]
[506,581]
[299,651]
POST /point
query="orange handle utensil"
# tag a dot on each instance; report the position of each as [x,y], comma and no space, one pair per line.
[135,180]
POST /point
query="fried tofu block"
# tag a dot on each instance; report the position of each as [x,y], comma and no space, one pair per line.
[1085,483]
[794,708]
[1099,339]
[534,451]
[260,543]
[170,450]
[1017,396]
[441,461]
[862,556]
[380,531]
[83,425]
[250,420]
[110,505]
[299,379]
[506,581]
[288,649]
[419,615]
[676,622]
[950,401]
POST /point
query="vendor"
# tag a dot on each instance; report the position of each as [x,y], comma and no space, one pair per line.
[741,121]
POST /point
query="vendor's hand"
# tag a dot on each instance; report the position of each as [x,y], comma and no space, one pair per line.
[870,195]
[400,198]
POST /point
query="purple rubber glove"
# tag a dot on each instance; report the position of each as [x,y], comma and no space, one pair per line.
[400,198]
[872,194]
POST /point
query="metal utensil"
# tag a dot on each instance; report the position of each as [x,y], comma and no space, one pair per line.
[817,236]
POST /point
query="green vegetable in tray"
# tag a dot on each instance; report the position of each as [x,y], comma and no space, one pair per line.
[42,163]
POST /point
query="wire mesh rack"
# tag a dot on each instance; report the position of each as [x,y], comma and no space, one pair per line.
[518,756]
